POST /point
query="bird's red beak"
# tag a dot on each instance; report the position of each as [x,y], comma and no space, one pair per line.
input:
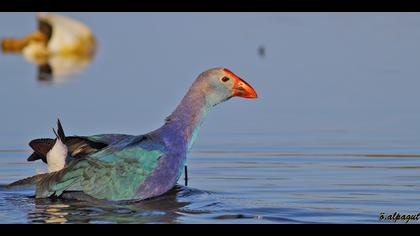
[240,87]
[243,89]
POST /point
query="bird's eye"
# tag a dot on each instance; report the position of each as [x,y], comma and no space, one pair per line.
[225,79]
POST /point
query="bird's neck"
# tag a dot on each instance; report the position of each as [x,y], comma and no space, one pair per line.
[183,125]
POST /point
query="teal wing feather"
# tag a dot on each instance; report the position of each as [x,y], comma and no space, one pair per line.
[114,173]
[108,138]
[82,146]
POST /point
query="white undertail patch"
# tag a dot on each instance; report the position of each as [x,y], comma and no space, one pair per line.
[56,157]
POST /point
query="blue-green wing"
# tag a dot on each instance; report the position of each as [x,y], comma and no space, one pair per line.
[82,146]
[114,173]
[108,138]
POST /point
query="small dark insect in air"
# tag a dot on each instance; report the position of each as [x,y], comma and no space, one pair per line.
[261,51]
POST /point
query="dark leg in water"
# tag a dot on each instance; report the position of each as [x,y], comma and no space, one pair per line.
[186,175]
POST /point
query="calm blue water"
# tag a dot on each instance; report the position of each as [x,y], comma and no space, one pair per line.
[333,137]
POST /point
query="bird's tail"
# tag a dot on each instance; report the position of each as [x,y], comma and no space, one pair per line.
[60,131]
[30,181]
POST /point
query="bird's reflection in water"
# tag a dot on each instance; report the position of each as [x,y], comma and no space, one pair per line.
[58,68]
[165,209]
[61,47]
[53,214]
